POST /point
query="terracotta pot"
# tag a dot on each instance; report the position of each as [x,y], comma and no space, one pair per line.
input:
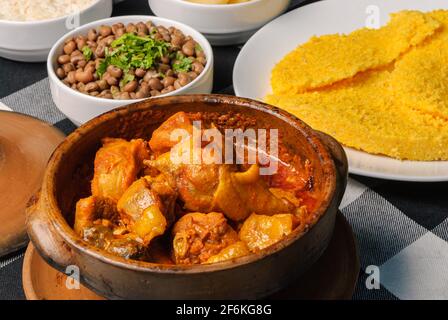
[50,215]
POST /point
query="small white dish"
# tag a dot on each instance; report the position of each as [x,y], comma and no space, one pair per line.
[222,24]
[252,71]
[80,108]
[31,41]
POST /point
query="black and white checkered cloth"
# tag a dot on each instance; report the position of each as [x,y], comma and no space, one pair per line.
[401,227]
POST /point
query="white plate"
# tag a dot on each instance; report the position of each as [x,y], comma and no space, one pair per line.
[4,107]
[268,46]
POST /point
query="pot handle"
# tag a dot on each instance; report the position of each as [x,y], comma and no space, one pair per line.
[43,235]
[340,161]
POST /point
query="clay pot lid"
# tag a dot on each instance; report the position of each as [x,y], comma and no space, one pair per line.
[26,144]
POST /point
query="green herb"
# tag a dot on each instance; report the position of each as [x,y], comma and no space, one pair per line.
[182,63]
[101,68]
[126,79]
[131,52]
[87,52]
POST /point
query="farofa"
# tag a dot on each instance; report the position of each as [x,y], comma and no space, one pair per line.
[399,110]
[330,58]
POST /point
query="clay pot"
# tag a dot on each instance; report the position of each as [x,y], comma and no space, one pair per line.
[50,216]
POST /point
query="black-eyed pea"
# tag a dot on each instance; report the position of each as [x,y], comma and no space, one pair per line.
[92,35]
[168,89]
[188,48]
[102,84]
[149,25]
[80,42]
[193,75]
[71,77]
[131,28]
[81,63]
[112,81]
[155,84]
[197,67]
[70,47]
[200,53]
[155,93]
[117,26]
[60,73]
[105,30]
[163,67]
[139,72]
[202,60]
[124,96]
[177,85]
[75,58]
[68,67]
[84,76]
[177,40]
[92,44]
[114,71]
[63,59]
[100,51]
[142,28]
[92,86]
[108,40]
[168,81]
[158,36]
[131,86]
[169,73]
[150,74]
[106,94]
[81,87]
[183,79]
[68,40]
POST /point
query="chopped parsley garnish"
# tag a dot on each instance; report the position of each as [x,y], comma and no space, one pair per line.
[182,63]
[126,79]
[87,52]
[131,52]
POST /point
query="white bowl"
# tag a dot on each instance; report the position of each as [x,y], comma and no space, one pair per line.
[222,24]
[80,108]
[31,41]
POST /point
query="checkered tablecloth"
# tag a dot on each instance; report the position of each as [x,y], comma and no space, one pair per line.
[401,227]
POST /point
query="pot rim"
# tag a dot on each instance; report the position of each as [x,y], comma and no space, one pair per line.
[68,234]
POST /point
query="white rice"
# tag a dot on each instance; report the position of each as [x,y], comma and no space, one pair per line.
[32,10]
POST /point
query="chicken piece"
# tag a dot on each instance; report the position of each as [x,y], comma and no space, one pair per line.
[260,231]
[117,165]
[127,248]
[236,250]
[161,141]
[146,212]
[90,209]
[198,236]
[292,175]
[241,193]
[102,237]
[195,183]
[217,187]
